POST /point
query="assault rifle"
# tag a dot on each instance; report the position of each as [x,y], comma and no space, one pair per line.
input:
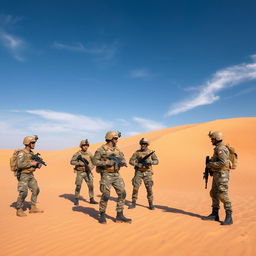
[143,160]
[118,161]
[207,171]
[36,157]
[86,165]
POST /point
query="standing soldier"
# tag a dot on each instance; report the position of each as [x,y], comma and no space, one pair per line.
[26,166]
[108,159]
[220,166]
[142,160]
[83,167]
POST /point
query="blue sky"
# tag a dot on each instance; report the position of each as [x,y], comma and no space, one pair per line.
[71,70]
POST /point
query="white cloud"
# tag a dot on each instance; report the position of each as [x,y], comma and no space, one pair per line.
[64,122]
[148,124]
[14,44]
[222,79]
[140,73]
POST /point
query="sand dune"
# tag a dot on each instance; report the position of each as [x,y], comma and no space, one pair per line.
[174,228]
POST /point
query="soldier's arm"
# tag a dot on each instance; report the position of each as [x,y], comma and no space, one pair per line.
[122,158]
[132,159]
[97,159]
[21,163]
[223,160]
[91,162]
[154,159]
[74,160]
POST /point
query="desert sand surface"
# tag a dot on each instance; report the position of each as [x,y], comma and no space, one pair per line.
[174,228]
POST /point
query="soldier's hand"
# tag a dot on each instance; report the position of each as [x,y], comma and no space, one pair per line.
[139,165]
[81,163]
[34,163]
[110,162]
[39,165]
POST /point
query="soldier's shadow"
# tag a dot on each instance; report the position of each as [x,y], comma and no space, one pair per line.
[90,211]
[179,211]
[26,205]
[71,197]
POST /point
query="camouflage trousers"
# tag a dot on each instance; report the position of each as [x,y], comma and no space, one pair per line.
[27,181]
[80,176]
[146,176]
[219,191]
[107,181]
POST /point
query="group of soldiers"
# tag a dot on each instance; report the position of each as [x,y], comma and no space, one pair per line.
[108,159]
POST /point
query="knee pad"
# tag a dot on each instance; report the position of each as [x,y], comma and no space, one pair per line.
[105,197]
[78,188]
[24,194]
[123,195]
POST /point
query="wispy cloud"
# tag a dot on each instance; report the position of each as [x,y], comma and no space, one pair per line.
[221,80]
[14,44]
[64,122]
[148,124]
[140,73]
[131,133]
[106,52]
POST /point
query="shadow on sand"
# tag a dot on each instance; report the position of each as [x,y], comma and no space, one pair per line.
[26,205]
[71,197]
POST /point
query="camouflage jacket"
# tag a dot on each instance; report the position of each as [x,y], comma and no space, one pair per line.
[79,165]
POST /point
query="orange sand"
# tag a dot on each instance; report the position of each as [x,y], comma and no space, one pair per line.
[174,228]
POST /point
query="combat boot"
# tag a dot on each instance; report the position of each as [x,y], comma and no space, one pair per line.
[150,205]
[76,201]
[213,216]
[34,209]
[228,220]
[92,201]
[21,213]
[102,218]
[120,218]
[132,205]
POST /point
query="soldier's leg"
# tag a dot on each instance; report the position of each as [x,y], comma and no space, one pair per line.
[105,186]
[33,186]
[136,182]
[89,182]
[23,190]
[78,183]
[223,196]
[214,215]
[119,186]
[149,184]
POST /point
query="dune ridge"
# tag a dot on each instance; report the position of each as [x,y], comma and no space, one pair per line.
[174,228]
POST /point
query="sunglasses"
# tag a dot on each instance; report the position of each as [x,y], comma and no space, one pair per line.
[85,145]
[33,142]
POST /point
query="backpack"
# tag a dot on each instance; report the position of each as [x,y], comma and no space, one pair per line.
[13,161]
[232,156]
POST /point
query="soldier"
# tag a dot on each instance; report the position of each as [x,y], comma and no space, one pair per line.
[142,160]
[220,166]
[26,167]
[83,168]
[108,159]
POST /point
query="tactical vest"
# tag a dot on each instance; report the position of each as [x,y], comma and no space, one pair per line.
[141,154]
[105,152]
[215,158]
[28,159]
[86,156]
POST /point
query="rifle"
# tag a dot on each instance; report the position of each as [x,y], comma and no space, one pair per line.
[142,160]
[86,165]
[118,161]
[207,171]
[36,157]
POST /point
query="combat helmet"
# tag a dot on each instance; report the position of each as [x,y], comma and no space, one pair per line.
[216,135]
[144,141]
[112,134]
[84,142]
[28,139]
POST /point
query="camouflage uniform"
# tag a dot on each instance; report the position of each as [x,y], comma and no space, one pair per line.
[81,174]
[220,166]
[27,179]
[109,177]
[143,173]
